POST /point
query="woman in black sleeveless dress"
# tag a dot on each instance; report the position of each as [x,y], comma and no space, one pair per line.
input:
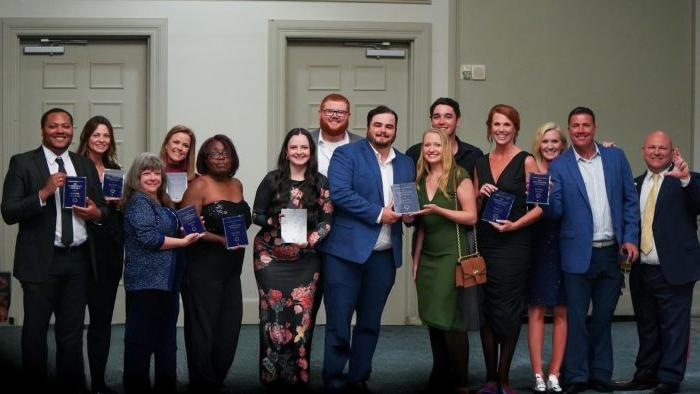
[505,244]
[211,289]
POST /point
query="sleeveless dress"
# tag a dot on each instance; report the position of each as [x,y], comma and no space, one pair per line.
[212,299]
[507,254]
[287,277]
[440,303]
[546,280]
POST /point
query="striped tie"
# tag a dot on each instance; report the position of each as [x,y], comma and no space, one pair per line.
[648,218]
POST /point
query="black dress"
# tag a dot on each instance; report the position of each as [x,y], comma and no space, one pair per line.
[546,279]
[507,254]
[212,300]
[287,278]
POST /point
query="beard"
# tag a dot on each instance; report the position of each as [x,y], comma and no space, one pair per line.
[380,144]
[331,130]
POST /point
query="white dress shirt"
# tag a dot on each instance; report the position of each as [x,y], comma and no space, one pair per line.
[387,171]
[326,149]
[79,230]
[594,179]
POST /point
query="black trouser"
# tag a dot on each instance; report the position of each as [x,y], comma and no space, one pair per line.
[100,300]
[213,304]
[63,295]
[151,318]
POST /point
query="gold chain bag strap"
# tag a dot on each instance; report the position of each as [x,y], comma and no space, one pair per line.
[470,269]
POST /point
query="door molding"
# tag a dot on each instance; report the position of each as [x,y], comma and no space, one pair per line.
[154,31]
[416,35]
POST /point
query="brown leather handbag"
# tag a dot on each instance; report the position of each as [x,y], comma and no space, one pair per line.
[470,269]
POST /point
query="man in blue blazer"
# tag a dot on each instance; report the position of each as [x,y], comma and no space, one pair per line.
[363,250]
[593,195]
[662,284]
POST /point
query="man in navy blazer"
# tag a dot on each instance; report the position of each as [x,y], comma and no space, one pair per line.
[662,284]
[593,195]
[363,250]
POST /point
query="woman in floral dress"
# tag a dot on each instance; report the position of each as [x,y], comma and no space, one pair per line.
[288,274]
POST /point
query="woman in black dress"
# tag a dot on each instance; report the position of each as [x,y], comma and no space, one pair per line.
[287,274]
[505,244]
[97,144]
[211,288]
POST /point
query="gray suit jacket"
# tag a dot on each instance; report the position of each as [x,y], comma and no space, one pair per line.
[315,133]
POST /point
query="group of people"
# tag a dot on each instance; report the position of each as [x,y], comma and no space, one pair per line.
[570,249]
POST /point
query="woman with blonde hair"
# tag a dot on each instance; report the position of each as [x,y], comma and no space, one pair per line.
[177,151]
[546,288]
[446,196]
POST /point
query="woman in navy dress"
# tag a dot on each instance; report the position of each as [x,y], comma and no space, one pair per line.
[153,267]
[546,289]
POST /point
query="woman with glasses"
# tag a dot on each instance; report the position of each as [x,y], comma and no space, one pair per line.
[211,289]
[287,273]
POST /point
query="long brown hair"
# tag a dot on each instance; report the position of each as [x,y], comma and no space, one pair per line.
[109,158]
[189,162]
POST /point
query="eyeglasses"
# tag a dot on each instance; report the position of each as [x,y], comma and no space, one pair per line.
[218,155]
[335,112]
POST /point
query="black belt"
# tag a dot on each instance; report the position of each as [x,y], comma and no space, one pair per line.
[69,249]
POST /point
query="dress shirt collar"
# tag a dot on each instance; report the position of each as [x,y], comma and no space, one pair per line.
[580,158]
[389,158]
[51,156]
[662,173]
[345,140]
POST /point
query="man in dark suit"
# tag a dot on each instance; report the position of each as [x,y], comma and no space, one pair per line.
[445,114]
[333,120]
[52,253]
[593,195]
[363,250]
[662,284]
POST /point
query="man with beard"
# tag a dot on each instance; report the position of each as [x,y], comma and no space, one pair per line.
[333,118]
[363,250]
[52,253]
[445,114]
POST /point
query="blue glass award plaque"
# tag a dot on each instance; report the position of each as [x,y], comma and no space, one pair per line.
[538,189]
[234,231]
[74,192]
[112,184]
[405,197]
[498,206]
[190,220]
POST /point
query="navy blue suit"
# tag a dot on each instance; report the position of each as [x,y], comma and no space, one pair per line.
[662,294]
[357,278]
[591,274]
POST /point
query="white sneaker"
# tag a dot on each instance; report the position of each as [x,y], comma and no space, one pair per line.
[540,387]
[553,383]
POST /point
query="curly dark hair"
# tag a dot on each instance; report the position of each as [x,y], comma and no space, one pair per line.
[310,188]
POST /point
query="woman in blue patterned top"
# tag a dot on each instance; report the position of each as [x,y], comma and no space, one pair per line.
[153,267]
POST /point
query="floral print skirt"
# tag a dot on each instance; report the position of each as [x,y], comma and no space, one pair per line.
[287,289]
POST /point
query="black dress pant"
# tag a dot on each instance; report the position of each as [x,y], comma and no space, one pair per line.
[662,312]
[63,295]
[213,305]
[151,318]
[101,295]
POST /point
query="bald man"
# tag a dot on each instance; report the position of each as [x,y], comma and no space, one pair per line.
[661,284]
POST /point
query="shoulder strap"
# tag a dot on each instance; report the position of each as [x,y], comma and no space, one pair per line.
[459,243]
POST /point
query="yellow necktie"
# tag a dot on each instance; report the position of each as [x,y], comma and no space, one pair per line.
[648,218]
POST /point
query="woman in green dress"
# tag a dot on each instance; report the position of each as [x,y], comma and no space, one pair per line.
[448,210]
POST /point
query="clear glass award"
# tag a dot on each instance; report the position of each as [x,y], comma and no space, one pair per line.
[177,184]
[405,197]
[538,189]
[293,226]
[74,192]
[235,231]
[498,206]
[113,183]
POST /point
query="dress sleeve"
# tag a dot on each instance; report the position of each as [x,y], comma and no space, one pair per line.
[141,216]
[263,199]
[325,212]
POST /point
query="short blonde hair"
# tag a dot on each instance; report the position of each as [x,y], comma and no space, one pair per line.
[539,136]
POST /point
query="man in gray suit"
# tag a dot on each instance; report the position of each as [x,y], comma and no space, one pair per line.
[333,118]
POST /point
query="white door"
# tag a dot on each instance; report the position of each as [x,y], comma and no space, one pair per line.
[105,77]
[316,69]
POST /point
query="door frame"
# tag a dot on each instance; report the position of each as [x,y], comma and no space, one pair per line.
[154,31]
[416,35]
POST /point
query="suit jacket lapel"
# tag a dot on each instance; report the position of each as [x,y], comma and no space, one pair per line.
[608,172]
[43,168]
[374,167]
[576,174]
